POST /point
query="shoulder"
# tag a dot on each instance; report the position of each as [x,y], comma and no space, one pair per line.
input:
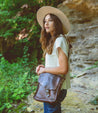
[62,43]
[60,38]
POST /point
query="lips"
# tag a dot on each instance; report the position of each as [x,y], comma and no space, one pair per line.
[46,27]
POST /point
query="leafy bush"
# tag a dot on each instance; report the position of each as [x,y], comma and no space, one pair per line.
[15,82]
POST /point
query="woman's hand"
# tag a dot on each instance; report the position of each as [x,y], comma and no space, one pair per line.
[38,68]
[41,70]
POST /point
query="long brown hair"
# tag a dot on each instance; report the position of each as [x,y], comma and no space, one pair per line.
[46,40]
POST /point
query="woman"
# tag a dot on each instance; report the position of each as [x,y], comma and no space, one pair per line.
[54,25]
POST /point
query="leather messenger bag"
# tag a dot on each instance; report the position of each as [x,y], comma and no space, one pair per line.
[48,88]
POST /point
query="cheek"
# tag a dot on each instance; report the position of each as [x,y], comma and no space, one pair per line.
[52,26]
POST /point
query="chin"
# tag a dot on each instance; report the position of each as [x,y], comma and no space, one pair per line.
[47,31]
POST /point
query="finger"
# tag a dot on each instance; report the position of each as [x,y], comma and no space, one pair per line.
[38,73]
[37,69]
[41,65]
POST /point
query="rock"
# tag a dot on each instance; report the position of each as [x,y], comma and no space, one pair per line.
[34,106]
[88,6]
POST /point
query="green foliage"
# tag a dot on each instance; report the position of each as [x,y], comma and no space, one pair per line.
[93,66]
[13,18]
[21,108]
[94,101]
[17,15]
[15,82]
[14,26]
[14,15]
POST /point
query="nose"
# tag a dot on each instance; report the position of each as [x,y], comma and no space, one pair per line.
[46,23]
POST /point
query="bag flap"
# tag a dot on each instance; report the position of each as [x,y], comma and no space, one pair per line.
[49,81]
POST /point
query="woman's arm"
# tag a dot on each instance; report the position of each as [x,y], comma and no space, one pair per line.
[61,69]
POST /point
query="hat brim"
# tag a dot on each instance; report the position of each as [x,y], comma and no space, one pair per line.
[43,11]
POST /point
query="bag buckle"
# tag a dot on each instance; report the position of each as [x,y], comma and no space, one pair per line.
[47,92]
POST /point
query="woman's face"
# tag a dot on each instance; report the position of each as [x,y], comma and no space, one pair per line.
[49,24]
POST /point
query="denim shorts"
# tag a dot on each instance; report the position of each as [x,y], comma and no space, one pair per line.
[56,106]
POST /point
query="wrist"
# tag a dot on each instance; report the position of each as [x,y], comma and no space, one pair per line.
[44,70]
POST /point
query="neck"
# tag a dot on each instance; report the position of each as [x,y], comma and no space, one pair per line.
[51,33]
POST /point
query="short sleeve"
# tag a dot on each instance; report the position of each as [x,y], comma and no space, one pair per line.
[62,43]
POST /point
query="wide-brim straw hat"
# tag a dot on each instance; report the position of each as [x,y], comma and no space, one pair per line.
[43,11]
